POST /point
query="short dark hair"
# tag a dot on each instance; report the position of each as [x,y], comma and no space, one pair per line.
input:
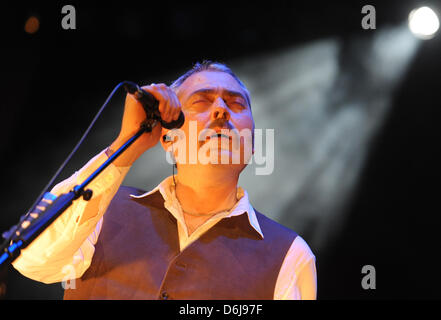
[208,65]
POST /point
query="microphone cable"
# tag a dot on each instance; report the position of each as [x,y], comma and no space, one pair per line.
[7,234]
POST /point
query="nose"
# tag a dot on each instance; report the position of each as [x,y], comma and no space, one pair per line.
[220,110]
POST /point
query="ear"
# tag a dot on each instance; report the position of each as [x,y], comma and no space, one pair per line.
[165,139]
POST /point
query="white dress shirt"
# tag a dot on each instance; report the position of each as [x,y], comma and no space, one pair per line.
[65,249]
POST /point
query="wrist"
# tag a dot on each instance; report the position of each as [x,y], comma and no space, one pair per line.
[125,159]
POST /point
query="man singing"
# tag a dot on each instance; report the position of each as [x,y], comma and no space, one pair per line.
[196,235]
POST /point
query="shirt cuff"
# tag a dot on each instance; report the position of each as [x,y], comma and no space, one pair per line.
[104,186]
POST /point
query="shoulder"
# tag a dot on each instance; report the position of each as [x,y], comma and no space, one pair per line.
[299,252]
[123,202]
[129,194]
[125,192]
[272,228]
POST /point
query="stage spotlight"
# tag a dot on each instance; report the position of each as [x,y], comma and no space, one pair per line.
[32,25]
[423,22]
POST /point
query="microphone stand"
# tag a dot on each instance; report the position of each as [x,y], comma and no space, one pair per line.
[51,206]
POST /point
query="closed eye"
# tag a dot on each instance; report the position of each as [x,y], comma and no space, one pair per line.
[238,104]
[200,101]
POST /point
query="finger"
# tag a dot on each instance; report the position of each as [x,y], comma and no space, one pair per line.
[169,103]
[158,93]
[167,114]
[177,108]
[155,90]
[164,105]
[175,105]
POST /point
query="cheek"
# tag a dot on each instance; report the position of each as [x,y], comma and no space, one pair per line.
[243,122]
[195,123]
[245,126]
[200,117]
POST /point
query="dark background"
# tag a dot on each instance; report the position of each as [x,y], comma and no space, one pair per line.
[393,220]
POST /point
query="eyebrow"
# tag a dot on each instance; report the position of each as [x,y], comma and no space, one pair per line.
[226,92]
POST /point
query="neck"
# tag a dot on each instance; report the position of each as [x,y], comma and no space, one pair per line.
[207,190]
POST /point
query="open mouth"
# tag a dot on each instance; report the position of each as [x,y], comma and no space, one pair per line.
[220,136]
[217,135]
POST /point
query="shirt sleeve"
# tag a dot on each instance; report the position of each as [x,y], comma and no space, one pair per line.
[64,250]
[297,278]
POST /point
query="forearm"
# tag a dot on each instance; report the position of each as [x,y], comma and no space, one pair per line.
[70,238]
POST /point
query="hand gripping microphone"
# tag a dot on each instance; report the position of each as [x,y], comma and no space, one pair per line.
[48,206]
[151,105]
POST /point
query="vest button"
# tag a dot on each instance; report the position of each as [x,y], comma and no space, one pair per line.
[181,265]
[164,295]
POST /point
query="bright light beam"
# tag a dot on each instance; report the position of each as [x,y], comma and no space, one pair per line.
[423,23]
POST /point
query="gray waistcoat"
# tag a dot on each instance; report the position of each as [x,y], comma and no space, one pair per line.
[137,256]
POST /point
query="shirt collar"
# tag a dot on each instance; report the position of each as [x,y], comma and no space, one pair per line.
[242,206]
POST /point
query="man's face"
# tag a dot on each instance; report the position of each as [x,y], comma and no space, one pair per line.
[214,102]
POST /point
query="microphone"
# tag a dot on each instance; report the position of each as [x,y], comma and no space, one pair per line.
[151,105]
